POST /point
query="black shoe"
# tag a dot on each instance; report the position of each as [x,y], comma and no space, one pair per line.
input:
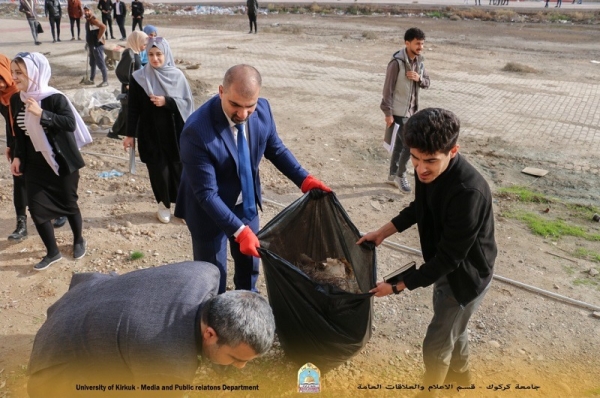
[79,250]
[113,135]
[37,43]
[112,37]
[53,41]
[46,262]
[57,39]
[20,232]
[59,222]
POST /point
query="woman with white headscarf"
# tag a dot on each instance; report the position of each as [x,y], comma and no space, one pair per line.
[48,134]
[160,101]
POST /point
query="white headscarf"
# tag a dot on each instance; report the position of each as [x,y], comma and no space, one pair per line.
[39,72]
[166,80]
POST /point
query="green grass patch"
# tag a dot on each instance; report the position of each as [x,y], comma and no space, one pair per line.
[568,269]
[587,254]
[523,194]
[552,228]
[136,255]
[586,282]
[436,14]
[585,211]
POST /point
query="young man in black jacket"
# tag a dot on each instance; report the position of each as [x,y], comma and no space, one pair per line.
[53,11]
[119,13]
[455,220]
[105,7]
[137,14]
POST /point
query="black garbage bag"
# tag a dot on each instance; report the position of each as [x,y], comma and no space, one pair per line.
[317,322]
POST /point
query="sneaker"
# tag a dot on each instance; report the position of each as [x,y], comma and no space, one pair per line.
[163,214]
[78,38]
[392,180]
[103,84]
[403,184]
[59,222]
[72,38]
[46,262]
[88,82]
[79,250]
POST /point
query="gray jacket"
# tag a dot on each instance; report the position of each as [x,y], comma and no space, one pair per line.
[397,87]
[140,327]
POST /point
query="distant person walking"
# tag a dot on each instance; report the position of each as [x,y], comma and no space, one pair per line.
[28,8]
[558,3]
[137,14]
[75,11]
[94,37]
[252,10]
[53,11]
[105,7]
[119,13]
[404,77]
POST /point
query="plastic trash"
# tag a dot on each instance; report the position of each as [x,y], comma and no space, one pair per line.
[110,174]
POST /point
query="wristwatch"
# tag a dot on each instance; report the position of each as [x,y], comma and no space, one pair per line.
[395,289]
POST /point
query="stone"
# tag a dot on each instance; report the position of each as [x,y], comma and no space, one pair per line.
[494,343]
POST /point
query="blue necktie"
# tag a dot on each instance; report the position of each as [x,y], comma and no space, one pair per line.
[245,174]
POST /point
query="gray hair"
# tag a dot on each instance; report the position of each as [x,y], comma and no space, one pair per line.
[241,316]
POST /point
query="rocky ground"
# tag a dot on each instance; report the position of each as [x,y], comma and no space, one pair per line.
[517,337]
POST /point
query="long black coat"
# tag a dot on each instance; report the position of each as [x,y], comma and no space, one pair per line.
[158,128]
[59,124]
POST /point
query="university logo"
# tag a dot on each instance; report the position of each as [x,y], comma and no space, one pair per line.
[309,379]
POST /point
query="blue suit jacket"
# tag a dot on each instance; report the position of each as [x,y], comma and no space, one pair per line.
[210,183]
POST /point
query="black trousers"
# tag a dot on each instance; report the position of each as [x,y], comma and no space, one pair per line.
[107,20]
[73,22]
[19,195]
[252,20]
[137,21]
[121,22]
[54,22]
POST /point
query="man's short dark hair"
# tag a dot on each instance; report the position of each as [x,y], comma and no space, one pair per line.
[414,33]
[432,130]
[241,316]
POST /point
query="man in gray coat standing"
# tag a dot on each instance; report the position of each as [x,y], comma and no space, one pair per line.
[144,327]
[404,77]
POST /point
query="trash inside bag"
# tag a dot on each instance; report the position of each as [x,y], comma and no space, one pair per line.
[318,281]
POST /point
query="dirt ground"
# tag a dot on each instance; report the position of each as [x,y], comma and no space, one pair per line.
[517,337]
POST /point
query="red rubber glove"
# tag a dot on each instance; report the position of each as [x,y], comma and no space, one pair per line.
[311,182]
[248,242]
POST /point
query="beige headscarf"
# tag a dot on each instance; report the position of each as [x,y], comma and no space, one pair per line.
[136,40]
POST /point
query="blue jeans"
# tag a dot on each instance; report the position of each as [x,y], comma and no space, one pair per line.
[97,59]
[446,343]
[33,27]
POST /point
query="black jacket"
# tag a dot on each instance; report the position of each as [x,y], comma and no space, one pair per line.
[59,124]
[137,9]
[53,9]
[158,128]
[105,7]
[456,228]
[123,9]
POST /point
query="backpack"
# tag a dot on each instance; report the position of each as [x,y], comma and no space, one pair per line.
[125,66]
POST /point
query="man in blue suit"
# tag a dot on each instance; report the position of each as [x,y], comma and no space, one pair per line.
[221,146]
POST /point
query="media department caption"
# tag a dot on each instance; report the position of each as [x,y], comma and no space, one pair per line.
[169,387]
[420,387]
